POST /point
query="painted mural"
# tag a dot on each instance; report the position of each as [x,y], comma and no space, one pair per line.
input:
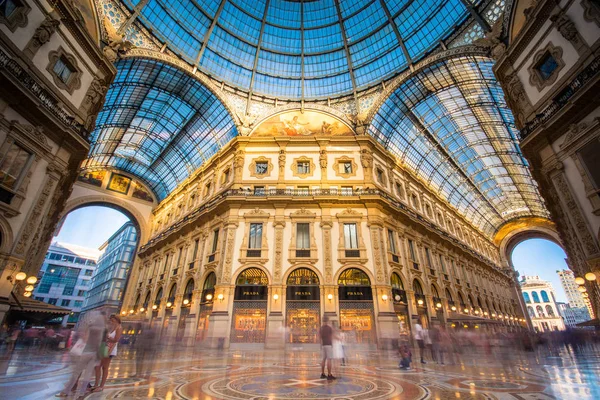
[307,123]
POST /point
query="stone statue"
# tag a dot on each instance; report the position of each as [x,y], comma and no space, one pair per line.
[247,121]
[93,101]
[493,40]
[323,158]
[366,158]
[117,44]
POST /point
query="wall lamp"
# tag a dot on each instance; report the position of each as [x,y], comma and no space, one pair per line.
[330,297]
[384,297]
[154,306]
[186,302]
[438,305]
[123,312]
[208,297]
[453,308]
[169,304]
[220,297]
[142,309]
[420,302]
[275,297]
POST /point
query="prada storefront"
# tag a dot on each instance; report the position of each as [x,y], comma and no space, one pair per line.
[356,307]
[303,307]
[250,307]
[400,307]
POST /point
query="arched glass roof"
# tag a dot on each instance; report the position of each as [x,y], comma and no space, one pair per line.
[306,49]
[450,125]
[159,124]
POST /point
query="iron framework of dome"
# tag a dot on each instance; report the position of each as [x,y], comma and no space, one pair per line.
[310,49]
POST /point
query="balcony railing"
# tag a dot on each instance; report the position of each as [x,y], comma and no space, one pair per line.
[46,98]
[302,253]
[310,193]
[352,253]
[253,253]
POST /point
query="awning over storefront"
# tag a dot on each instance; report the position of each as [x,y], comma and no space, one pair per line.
[25,308]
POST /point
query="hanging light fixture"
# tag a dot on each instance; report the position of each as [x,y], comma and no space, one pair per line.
[590,276]
[27,294]
[20,276]
[209,297]
[582,289]
[32,280]
[579,280]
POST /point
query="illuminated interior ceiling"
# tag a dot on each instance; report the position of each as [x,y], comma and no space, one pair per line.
[450,125]
[310,49]
[158,124]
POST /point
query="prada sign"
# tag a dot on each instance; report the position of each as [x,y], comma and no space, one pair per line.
[303,293]
[251,293]
[355,293]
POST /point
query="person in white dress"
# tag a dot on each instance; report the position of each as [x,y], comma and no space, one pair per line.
[113,336]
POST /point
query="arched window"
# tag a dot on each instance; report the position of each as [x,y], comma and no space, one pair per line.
[530,311]
[252,277]
[549,311]
[479,303]
[396,281]
[434,291]
[417,287]
[536,298]
[461,299]
[172,293]
[189,289]
[147,301]
[540,311]
[526,297]
[354,277]
[159,296]
[303,277]
[210,281]
[448,295]
[137,302]
[471,302]
[545,298]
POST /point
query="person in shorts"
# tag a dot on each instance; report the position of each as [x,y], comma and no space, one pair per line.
[326,334]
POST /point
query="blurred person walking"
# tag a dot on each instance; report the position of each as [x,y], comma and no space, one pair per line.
[435,339]
[420,338]
[145,349]
[326,334]
[111,341]
[85,355]
[405,357]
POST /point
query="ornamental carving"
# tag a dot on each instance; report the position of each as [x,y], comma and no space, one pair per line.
[278,253]
[339,167]
[295,167]
[93,101]
[591,11]
[568,30]
[326,226]
[74,80]
[42,35]
[366,158]
[227,254]
[253,171]
[247,121]
[375,234]
[117,44]
[516,98]
[34,220]
[281,159]
[575,213]
[323,159]
[535,77]
[493,40]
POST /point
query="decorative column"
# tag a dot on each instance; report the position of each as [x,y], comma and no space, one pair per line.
[275,321]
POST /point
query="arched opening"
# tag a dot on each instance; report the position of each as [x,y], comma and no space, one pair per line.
[400,306]
[421,303]
[356,306]
[168,312]
[206,305]
[437,302]
[185,326]
[250,307]
[87,265]
[303,306]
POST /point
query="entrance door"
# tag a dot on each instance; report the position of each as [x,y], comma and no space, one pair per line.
[303,306]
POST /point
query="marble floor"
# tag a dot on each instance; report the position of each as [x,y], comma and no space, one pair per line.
[294,374]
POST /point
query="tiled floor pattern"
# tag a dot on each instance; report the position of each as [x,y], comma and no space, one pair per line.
[278,375]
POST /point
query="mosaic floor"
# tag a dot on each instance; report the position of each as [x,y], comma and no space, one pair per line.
[294,374]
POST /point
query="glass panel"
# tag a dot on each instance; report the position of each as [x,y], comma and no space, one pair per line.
[215,241]
[13,165]
[354,277]
[62,69]
[262,168]
[303,277]
[303,236]
[252,277]
[391,241]
[350,236]
[255,236]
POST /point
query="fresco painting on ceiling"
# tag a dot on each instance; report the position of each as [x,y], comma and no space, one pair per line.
[86,9]
[140,192]
[119,183]
[92,177]
[297,123]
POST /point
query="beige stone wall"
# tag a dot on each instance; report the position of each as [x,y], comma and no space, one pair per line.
[193,212]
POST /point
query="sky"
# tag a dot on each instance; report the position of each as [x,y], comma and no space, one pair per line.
[543,258]
[90,226]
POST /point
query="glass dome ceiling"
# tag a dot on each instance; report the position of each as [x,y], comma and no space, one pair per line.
[303,49]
